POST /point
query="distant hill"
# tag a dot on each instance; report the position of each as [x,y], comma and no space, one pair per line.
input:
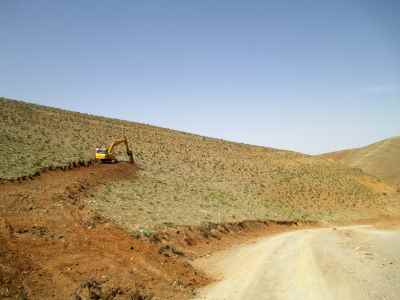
[186,178]
[381,159]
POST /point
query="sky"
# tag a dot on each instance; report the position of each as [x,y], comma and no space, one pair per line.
[307,75]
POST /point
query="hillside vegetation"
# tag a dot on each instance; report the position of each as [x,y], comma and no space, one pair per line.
[381,159]
[185,178]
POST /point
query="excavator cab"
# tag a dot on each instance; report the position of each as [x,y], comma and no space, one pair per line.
[103,155]
[107,155]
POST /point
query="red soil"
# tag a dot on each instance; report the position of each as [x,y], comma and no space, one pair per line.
[53,247]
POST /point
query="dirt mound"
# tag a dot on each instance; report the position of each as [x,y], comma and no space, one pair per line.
[381,159]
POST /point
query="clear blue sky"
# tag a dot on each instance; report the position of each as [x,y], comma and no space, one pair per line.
[307,75]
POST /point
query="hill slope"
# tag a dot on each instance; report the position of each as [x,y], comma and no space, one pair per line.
[381,159]
[185,178]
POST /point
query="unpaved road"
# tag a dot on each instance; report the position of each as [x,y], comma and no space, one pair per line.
[357,262]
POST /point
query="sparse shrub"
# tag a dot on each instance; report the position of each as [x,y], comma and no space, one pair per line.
[146,232]
[140,295]
[212,179]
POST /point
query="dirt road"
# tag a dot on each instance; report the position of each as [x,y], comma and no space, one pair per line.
[357,262]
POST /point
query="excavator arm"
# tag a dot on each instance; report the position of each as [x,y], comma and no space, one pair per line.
[128,151]
[116,143]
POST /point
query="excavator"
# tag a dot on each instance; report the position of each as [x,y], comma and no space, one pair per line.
[107,155]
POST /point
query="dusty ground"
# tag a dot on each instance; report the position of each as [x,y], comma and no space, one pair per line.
[356,262]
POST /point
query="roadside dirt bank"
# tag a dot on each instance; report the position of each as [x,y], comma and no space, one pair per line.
[384,222]
[198,241]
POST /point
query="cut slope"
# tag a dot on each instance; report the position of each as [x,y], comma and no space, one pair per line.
[188,179]
[52,246]
[381,159]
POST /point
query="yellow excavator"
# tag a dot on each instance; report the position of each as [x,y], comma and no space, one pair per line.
[107,155]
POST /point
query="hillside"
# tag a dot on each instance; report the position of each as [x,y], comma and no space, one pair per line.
[380,159]
[185,178]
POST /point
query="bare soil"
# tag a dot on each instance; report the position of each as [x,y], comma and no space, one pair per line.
[54,246]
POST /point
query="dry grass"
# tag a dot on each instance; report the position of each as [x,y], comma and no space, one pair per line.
[188,179]
[380,159]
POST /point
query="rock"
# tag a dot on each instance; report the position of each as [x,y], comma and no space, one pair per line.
[168,251]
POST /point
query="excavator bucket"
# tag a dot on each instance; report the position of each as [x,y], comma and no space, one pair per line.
[130,155]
